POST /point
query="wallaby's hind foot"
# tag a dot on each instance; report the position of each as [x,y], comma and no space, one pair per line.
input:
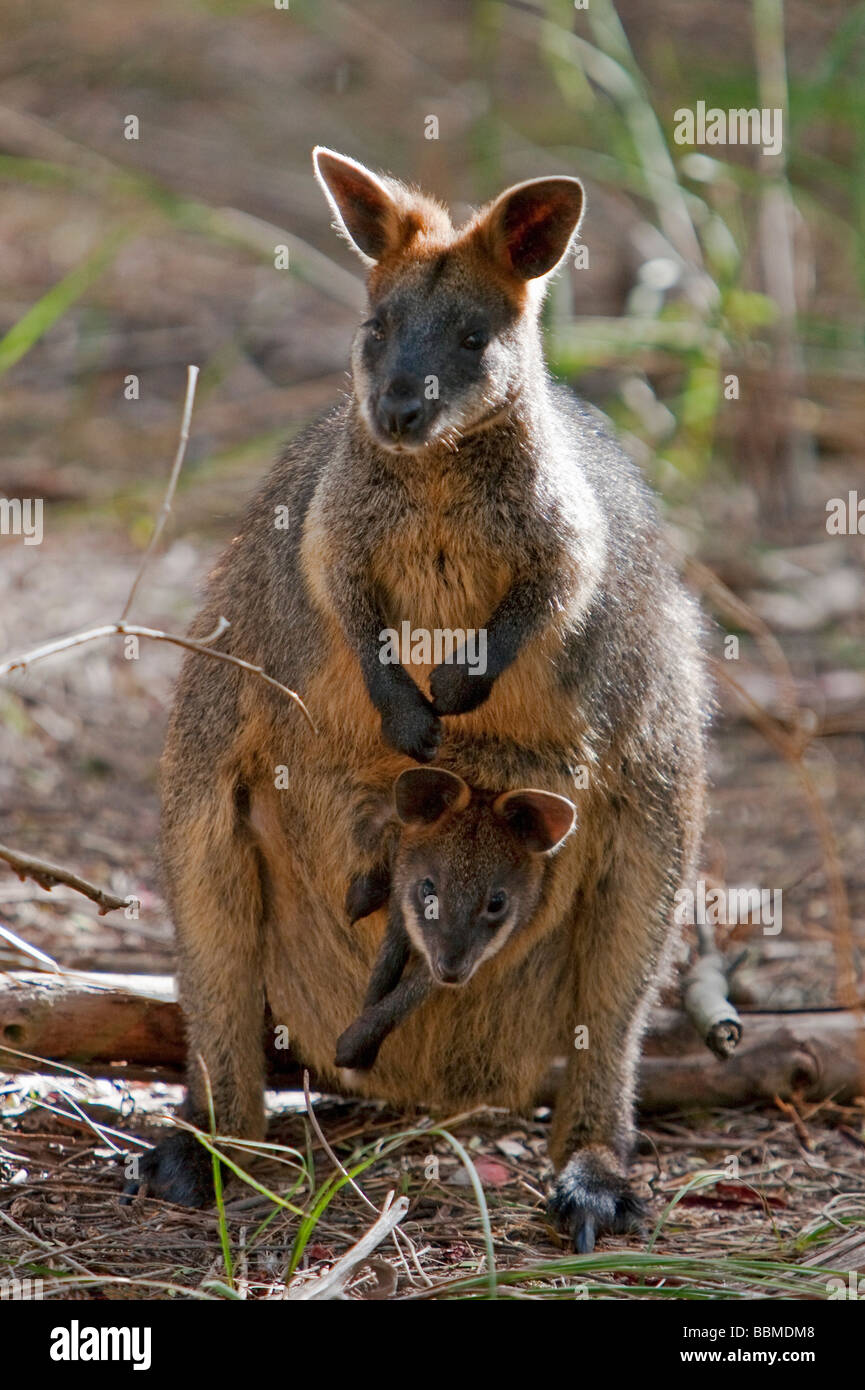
[592,1197]
[179,1169]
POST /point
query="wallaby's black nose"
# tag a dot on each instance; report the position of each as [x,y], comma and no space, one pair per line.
[451,972]
[398,412]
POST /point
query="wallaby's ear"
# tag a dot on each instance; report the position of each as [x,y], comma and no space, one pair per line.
[422,795]
[540,820]
[362,205]
[529,227]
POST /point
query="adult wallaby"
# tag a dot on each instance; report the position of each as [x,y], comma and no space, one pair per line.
[457,490]
[460,871]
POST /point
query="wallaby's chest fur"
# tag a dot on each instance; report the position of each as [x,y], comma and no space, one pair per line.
[442,544]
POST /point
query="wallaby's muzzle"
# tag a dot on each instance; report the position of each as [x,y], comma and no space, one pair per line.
[399,412]
[454,971]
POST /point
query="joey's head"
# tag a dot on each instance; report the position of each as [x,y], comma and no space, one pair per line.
[451,334]
[468,869]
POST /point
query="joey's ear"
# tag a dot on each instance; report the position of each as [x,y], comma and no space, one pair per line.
[540,820]
[529,227]
[422,795]
[364,208]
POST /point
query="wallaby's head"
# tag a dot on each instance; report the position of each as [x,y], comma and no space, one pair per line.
[468,868]
[452,334]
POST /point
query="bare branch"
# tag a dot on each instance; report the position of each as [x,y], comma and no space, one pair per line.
[46,874]
[313,1119]
[704,995]
[201,645]
[192,379]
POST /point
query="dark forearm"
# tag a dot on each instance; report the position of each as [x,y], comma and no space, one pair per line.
[359,1045]
[390,961]
[408,721]
[458,686]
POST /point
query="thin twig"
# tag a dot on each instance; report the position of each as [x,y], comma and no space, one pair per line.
[46,874]
[789,746]
[742,613]
[191,381]
[50,1250]
[313,1119]
[121,629]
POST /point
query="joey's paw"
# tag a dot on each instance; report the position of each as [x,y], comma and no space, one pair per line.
[413,728]
[355,1049]
[178,1170]
[590,1198]
[367,893]
[455,689]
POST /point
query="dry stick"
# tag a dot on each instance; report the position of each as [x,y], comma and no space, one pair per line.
[45,1245]
[704,991]
[46,874]
[704,996]
[332,1284]
[790,748]
[40,870]
[313,1119]
[335,1160]
[332,1155]
[744,615]
[191,382]
[122,629]
[790,738]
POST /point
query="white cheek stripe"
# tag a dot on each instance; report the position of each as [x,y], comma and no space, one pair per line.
[498,941]
[412,926]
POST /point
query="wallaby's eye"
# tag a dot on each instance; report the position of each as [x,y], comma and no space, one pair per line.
[375,329]
[426,889]
[497,903]
[474,342]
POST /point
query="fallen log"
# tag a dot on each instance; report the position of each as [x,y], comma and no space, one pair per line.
[131,1027]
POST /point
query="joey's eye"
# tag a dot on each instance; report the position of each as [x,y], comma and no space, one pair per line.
[426,889]
[375,329]
[474,342]
[497,903]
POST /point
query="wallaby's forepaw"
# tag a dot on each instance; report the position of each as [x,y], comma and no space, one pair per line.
[356,1050]
[591,1199]
[178,1170]
[413,728]
[457,690]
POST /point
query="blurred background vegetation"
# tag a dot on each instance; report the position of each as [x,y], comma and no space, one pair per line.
[137,255]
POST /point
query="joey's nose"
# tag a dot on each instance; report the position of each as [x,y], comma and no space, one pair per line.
[399,412]
[452,972]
